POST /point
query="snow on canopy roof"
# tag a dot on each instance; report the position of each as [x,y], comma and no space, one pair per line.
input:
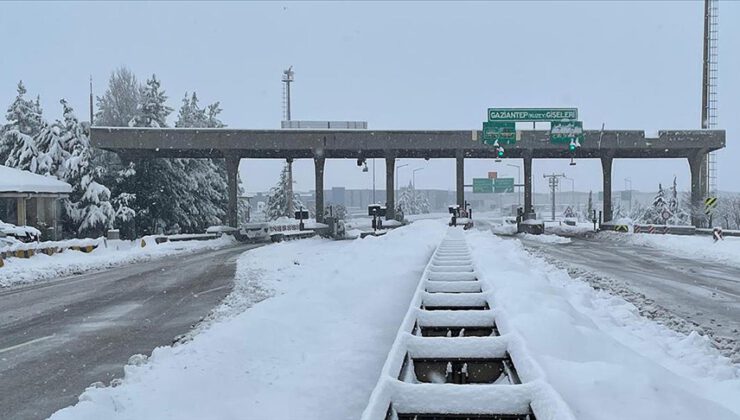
[16,180]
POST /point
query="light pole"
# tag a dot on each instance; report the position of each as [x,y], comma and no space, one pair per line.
[519,180]
[413,177]
[629,180]
[572,192]
[398,187]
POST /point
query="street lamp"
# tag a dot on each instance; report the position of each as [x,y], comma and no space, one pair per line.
[572,191]
[413,176]
[398,187]
[519,180]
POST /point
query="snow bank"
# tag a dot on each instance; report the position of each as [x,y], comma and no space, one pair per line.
[545,239]
[108,254]
[313,350]
[604,359]
[700,246]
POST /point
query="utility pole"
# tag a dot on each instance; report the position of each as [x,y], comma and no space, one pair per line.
[554,181]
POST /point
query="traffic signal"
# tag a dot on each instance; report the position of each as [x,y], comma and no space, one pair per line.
[499,149]
[574,144]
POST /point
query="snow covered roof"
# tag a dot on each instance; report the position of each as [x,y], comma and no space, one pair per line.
[16,180]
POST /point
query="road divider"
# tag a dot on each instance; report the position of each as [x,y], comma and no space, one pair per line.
[451,361]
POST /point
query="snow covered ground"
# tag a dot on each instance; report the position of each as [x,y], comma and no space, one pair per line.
[600,355]
[19,271]
[308,327]
[312,350]
[698,246]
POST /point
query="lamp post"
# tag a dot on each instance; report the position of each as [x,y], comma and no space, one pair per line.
[629,180]
[413,176]
[519,180]
[398,187]
[572,191]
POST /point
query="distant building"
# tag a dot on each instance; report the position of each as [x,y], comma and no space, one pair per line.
[28,199]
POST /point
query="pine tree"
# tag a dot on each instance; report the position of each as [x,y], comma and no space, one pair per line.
[152,111]
[119,104]
[654,213]
[208,196]
[277,200]
[679,216]
[17,145]
[413,202]
[116,108]
[88,206]
[161,186]
[52,153]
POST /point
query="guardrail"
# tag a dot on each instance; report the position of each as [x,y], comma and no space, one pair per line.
[28,250]
[665,229]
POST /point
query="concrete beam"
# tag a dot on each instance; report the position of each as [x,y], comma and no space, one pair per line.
[390,189]
[318,164]
[215,143]
[232,175]
[606,173]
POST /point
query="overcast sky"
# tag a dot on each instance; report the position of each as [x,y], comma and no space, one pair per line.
[416,65]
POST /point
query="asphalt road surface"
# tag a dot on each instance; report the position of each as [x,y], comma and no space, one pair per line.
[702,292]
[58,337]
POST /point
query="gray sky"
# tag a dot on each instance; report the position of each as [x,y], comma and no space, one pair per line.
[416,65]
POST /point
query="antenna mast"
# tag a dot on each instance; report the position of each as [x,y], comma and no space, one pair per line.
[91,102]
[709,89]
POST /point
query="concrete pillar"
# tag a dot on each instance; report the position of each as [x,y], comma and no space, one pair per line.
[390,188]
[232,175]
[606,172]
[696,165]
[528,186]
[460,178]
[318,165]
[21,211]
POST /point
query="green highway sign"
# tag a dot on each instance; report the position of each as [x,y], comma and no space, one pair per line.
[532,114]
[503,185]
[503,132]
[566,131]
[482,185]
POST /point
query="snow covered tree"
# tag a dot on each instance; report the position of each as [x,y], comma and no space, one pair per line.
[679,216]
[52,151]
[17,145]
[152,111]
[88,206]
[277,200]
[24,154]
[654,213]
[161,186]
[119,104]
[412,201]
[209,196]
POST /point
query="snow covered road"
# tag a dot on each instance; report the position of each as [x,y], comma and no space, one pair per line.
[313,350]
[705,294]
[58,337]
